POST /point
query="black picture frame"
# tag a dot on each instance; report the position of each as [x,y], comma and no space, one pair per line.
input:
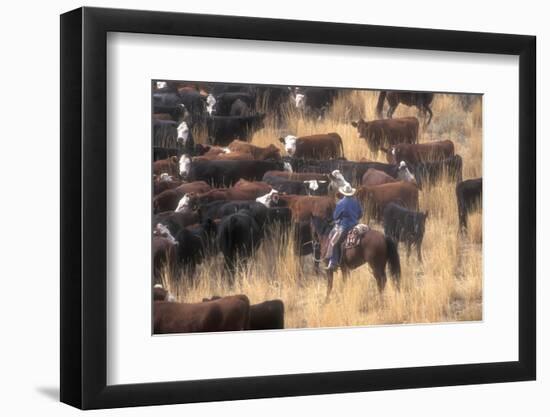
[83,207]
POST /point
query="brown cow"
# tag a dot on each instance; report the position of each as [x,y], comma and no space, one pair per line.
[268,315]
[225,314]
[375,177]
[257,152]
[252,187]
[169,199]
[297,176]
[378,196]
[387,131]
[164,182]
[170,166]
[225,156]
[419,152]
[321,146]
[242,190]
[304,207]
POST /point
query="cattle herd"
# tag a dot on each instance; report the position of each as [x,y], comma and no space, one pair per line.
[222,197]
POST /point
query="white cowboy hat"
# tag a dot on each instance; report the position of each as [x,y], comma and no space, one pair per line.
[347,190]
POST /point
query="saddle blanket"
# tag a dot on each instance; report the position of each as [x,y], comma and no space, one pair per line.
[354,235]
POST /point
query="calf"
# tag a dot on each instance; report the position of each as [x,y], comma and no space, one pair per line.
[304,207]
[257,152]
[225,314]
[321,146]
[468,198]
[379,196]
[387,131]
[404,225]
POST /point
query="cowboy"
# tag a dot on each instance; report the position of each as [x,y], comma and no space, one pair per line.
[346,216]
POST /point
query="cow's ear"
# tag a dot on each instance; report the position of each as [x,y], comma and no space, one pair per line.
[282,140]
[174,159]
[354,124]
[385,150]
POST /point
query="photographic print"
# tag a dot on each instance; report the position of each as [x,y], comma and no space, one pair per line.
[284,207]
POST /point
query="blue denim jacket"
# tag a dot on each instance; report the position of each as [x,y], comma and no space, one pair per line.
[347,213]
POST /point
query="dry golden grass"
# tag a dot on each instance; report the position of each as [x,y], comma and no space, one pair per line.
[447,286]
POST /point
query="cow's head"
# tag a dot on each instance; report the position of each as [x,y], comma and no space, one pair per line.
[271,152]
[162,294]
[300,101]
[183,133]
[210,104]
[161,85]
[390,154]
[337,180]
[184,205]
[289,141]
[404,174]
[360,125]
[184,166]
[165,177]
[161,230]
[313,186]
[270,199]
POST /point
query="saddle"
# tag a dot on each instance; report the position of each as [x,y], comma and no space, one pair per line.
[354,236]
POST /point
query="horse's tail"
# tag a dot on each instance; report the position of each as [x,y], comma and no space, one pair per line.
[380,104]
[393,260]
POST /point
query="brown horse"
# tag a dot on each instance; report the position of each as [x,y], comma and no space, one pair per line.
[422,101]
[375,249]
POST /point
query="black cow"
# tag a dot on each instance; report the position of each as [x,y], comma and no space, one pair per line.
[314,101]
[194,244]
[175,221]
[255,209]
[238,237]
[170,103]
[285,186]
[240,108]
[432,172]
[225,102]
[406,226]
[227,173]
[268,315]
[468,198]
[222,130]
[173,135]
[195,105]
[279,215]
